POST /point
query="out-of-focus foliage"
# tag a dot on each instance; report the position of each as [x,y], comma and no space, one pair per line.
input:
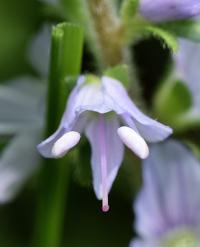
[18,21]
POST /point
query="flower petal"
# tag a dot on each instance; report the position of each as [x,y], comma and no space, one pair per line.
[148,128]
[114,150]
[81,100]
[170,196]
[153,131]
[17,163]
[71,113]
[91,97]
[68,122]
[166,10]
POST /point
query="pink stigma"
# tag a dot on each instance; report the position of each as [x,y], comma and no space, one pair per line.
[105,205]
[105,208]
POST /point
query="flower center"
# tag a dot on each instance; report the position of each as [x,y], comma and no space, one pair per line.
[183,238]
[102,129]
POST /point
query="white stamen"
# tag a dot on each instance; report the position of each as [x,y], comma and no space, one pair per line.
[133,141]
[65,143]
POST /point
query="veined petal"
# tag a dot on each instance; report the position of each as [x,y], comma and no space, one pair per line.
[91,97]
[148,128]
[83,98]
[114,152]
[133,141]
[153,131]
[166,10]
[17,163]
[67,123]
[170,196]
[102,97]
[80,100]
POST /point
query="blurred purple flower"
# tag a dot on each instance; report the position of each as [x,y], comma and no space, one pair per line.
[167,208]
[22,119]
[100,107]
[167,10]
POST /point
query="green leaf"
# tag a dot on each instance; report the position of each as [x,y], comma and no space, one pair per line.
[128,9]
[187,29]
[194,147]
[120,73]
[168,38]
[172,98]
[173,104]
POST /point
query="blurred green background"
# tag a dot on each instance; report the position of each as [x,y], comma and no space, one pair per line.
[18,21]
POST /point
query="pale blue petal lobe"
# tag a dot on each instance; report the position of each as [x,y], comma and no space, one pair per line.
[114,150]
[149,129]
[68,121]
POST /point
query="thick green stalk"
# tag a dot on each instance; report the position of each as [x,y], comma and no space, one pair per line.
[65,61]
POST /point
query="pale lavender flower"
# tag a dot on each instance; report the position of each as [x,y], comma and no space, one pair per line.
[167,10]
[167,208]
[22,119]
[103,110]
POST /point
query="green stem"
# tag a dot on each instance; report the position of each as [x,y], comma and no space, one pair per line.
[109,32]
[66,54]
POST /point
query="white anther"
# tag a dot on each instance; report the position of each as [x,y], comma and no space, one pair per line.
[133,141]
[65,143]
